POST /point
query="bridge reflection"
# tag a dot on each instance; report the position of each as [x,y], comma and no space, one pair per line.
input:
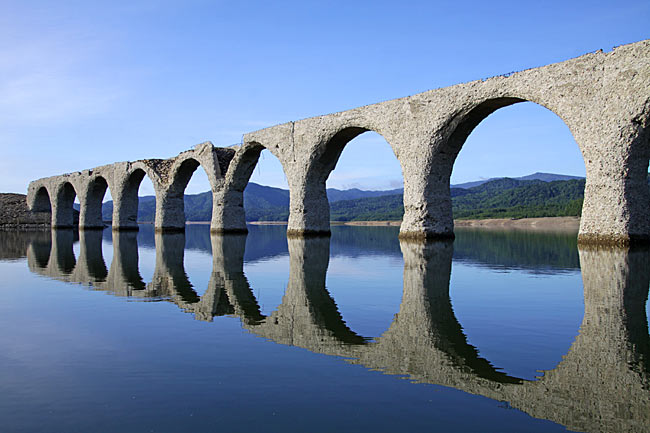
[602,384]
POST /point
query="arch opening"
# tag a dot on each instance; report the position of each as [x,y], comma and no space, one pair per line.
[96,192]
[365,277]
[370,191]
[511,158]
[257,190]
[133,208]
[192,186]
[42,202]
[66,215]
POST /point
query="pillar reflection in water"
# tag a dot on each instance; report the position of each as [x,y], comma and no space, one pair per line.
[62,255]
[426,329]
[169,277]
[91,265]
[229,280]
[38,251]
[124,276]
[602,384]
[308,316]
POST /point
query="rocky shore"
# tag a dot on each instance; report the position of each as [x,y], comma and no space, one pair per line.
[14,214]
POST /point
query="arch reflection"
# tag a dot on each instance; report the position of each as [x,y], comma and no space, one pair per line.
[602,384]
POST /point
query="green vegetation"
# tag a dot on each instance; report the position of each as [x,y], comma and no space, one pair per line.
[509,198]
[500,198]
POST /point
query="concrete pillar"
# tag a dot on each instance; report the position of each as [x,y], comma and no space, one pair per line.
[170,209]
[228,214]
[90,200]
[616,206]
[309,209]
[62,207]
[125,201]
[427,198]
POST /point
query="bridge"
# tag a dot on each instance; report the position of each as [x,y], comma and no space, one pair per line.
[601,385]
[603,98]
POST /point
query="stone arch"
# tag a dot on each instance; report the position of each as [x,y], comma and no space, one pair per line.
[40,200]
[460,124]
[63,215]
[126,200]
[229,215]
[310,211]
[90,216]
[170,206]
[433,218]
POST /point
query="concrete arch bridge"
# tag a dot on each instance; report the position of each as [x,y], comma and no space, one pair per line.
[603,98]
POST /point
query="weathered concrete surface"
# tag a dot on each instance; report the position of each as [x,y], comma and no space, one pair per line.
[601,385]
[603,98]
[168,176]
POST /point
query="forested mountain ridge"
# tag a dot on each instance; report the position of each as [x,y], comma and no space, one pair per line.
[499,198]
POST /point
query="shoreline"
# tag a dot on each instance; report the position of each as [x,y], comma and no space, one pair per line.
[554,224]
[570,224]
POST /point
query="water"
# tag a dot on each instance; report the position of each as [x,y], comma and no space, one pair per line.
[499,331]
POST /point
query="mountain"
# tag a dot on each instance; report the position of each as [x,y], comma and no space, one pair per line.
[544,177]
[500,198]
[530,196]
[262,203]
[335,195]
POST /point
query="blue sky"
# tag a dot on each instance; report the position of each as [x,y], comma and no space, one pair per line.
[87,83]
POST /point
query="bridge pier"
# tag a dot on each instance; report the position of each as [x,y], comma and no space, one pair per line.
[228,215]
[616,208]
[62,207]
[427,199]
[309,209]
[170,210]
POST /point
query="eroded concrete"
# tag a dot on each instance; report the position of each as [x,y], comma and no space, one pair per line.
[603,98]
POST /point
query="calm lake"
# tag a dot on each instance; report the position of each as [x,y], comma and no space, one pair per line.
[499,331]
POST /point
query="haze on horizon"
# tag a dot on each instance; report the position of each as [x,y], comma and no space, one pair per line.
[83,85]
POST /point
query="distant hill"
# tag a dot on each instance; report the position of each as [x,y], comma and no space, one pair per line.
[262,203]
[545,177]
[530,196]
[501,198]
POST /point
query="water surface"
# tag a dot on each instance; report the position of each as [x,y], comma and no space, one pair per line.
[497,331]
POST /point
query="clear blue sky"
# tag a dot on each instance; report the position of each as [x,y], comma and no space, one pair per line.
[85,83]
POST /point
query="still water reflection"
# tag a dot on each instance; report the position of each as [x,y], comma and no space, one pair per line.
[527,320]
